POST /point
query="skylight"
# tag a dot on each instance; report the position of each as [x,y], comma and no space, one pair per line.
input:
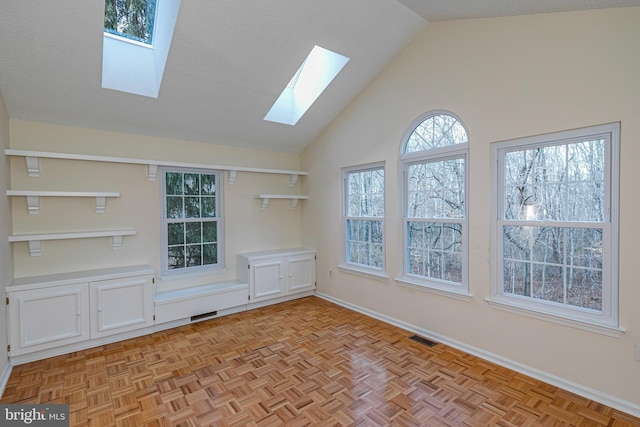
[135,48]
[314,75]
[131,19]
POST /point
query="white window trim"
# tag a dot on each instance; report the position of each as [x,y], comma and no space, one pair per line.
[168,275]
[441,287]
[360,269]
[605,323]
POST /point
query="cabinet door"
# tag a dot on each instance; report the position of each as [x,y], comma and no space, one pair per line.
[267,280]
[45,318]
[301,274]
[121,305]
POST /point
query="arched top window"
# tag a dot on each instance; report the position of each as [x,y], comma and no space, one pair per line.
[434,164]
[434,130]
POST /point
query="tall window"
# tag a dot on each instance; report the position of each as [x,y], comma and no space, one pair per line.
[434,167]
[192,220]
[363,216]
[556,230]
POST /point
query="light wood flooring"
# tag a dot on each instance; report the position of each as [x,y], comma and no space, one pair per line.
[302,363]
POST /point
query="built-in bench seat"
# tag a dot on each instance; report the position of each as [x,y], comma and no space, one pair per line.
[203,301]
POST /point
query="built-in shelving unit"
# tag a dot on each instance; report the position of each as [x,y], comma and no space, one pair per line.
[33,197]
[35,240]
[33,164]
[293,199]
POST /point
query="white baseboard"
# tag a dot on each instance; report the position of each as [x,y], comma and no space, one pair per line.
[4,378]
[579,389]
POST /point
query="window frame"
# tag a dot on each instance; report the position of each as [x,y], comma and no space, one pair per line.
[219,267]
[346,265]
[606,320]
[433,155]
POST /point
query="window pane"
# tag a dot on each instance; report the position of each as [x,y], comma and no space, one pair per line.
[584,288]
[439,130]
[364,242]
[209,231]
[209,254]
[436,189]
[548,283]
[193,232]
[193,255]
[584,247]
[366,193]
[517,278]
[435,250]
[208,185]
[175,233]
[175,257]
[555,183]
[208,207]
[174,207]
[191,184]
[131,19]
[173,183]
[192,207]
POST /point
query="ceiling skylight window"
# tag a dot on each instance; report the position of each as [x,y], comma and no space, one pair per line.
[131,19]
[312,78]
[136,42]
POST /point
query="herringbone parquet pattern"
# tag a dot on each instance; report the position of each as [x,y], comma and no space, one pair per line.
[302,363]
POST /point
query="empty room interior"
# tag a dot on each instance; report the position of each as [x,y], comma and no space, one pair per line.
[363,212]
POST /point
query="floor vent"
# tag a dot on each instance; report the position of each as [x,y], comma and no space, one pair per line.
[203,316]
[422,340]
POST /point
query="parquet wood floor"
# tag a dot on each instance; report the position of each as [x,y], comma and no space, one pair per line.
[302,363]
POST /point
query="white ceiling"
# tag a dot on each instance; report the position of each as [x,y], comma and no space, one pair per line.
[229,61]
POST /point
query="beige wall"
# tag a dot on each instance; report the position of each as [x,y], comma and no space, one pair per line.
[6,256]
[247,227]
[505,78]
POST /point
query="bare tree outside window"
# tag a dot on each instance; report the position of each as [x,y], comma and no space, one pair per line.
[556,226]
[364,217]
[559,191]
[434,156]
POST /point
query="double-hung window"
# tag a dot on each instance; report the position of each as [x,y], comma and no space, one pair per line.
[434,163]
[363,216]
[192,227]
[556,227]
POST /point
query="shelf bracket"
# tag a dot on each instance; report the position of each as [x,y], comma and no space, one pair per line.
[101,204]
[116,242]
[265,203]
[231,176]
[293,180]
[152,172]
[293,203]
[33,166]
[33,205]
[35,247]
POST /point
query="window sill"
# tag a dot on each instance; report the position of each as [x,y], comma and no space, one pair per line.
[439,290]
[371,274]
[501,304]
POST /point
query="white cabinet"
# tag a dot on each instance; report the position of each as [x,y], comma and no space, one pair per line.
[120,305]
[65,312]
[280,274]
[49,317]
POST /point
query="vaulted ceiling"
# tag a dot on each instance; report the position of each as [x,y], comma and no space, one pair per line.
[229,61]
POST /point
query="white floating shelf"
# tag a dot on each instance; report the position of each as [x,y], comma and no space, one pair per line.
[33,197]
[267,197]
[35,240]
[33,164]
